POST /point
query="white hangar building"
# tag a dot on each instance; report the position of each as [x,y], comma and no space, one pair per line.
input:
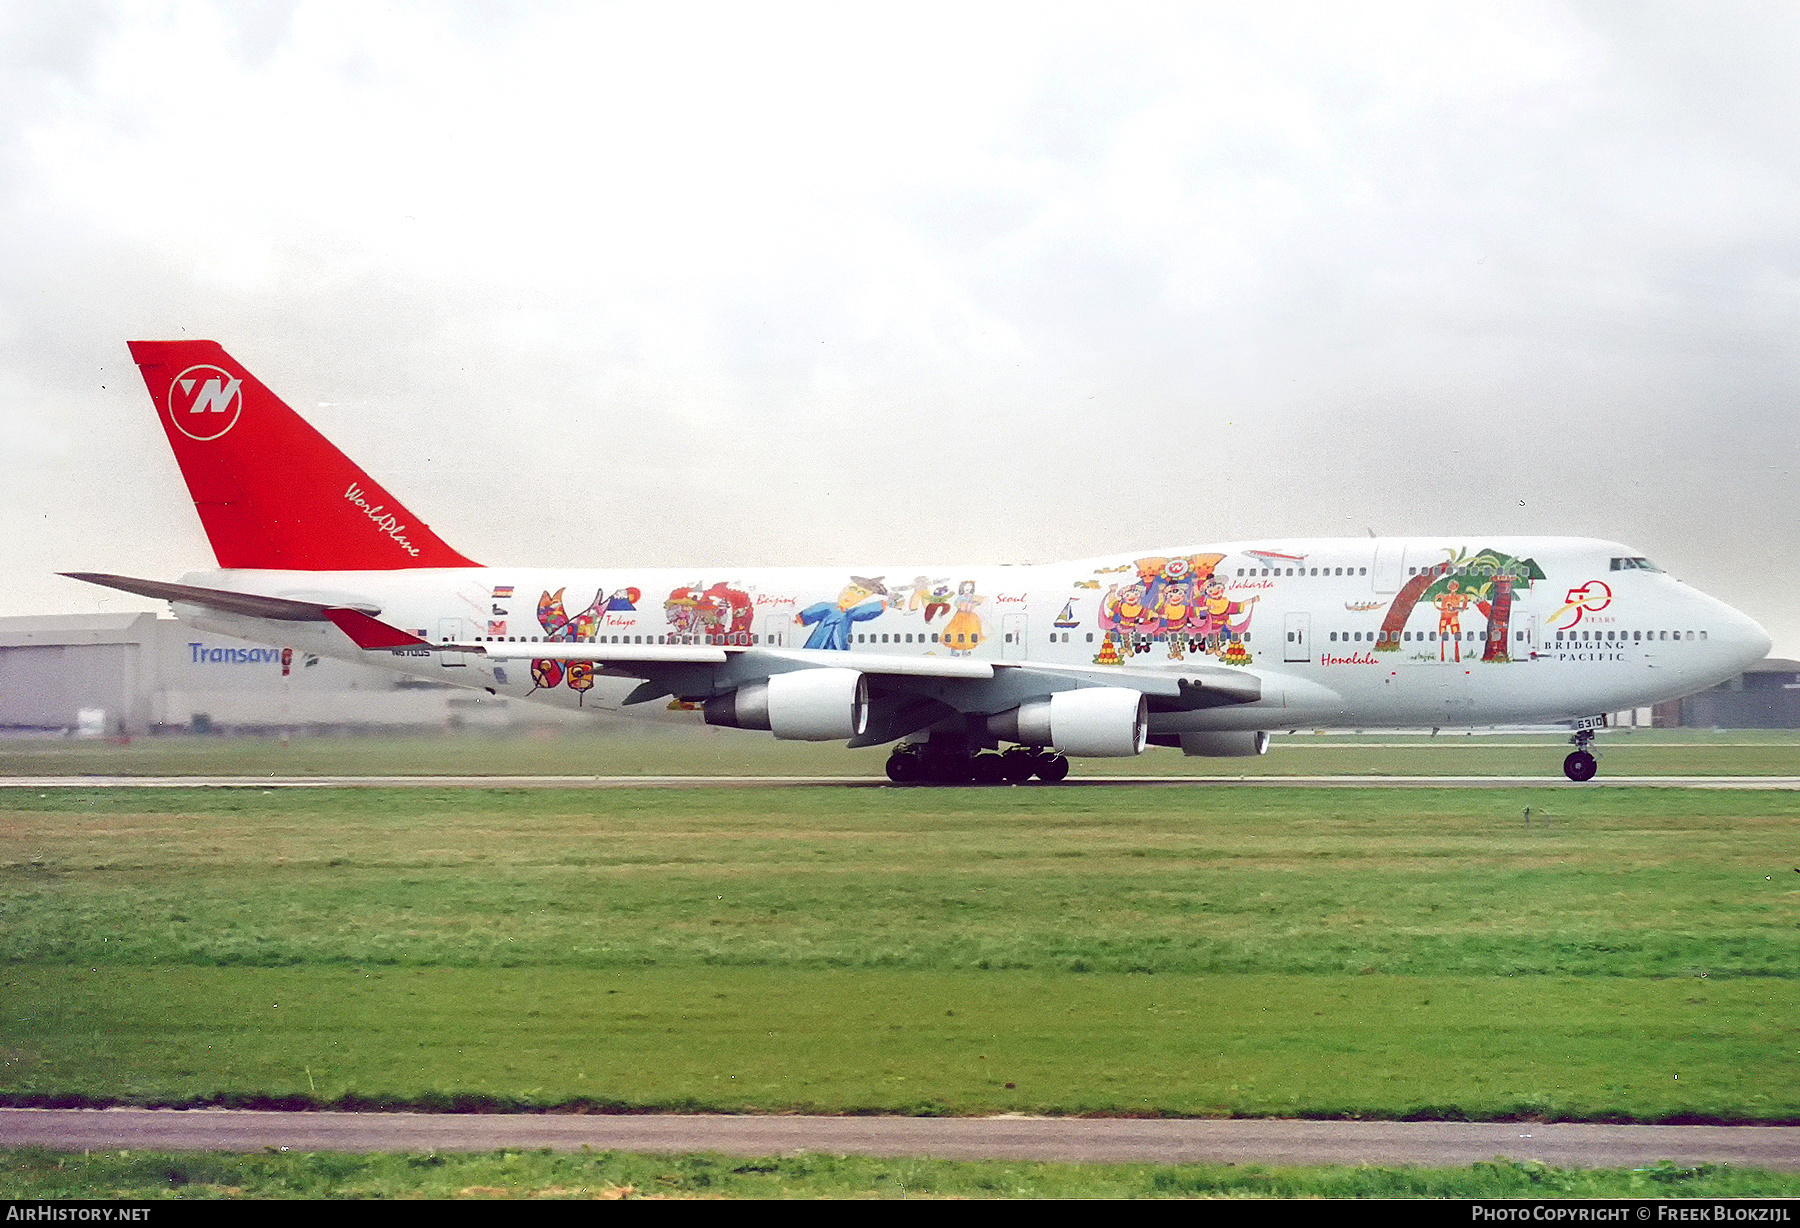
[134,674]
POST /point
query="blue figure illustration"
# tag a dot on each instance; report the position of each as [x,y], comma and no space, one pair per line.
[861,600]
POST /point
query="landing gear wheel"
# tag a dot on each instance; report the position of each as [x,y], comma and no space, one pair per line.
[905,767]
[1020,763]
[988,769]
[1580,766]
[1051,767]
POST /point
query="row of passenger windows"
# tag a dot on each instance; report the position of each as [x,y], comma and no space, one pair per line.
[967,639]
[1635,637]
[1252,572]
[1315,571]
[971,640]
[741,638]
[1372,637]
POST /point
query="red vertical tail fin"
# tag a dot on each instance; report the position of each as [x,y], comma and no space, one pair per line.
[271,491]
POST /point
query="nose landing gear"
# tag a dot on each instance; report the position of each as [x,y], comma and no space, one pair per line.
[1581,763]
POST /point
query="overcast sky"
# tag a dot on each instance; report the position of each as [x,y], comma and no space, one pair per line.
[722,285]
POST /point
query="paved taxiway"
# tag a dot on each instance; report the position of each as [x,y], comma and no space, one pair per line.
[853,782]
[1100,1140]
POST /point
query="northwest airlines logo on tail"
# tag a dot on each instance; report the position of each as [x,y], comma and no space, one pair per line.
[204,402]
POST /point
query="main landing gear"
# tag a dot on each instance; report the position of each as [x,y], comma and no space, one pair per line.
[917,765]
[1581,764]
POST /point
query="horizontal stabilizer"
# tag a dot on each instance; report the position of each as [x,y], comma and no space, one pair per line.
[370,633]
[253,605]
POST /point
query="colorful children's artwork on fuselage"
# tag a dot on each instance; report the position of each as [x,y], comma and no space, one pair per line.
[564,628]
[1463,586]
[1178,602]
[1184,605]
[861,599]
[963,633]
[932,597]
[716,615]
[560,626]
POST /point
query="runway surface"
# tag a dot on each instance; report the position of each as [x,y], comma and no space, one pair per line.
[1101,1140]
[861,782]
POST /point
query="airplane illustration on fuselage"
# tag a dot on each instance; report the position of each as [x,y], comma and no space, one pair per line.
[1204,648]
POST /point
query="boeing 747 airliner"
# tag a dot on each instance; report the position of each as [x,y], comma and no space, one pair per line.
[1204,648]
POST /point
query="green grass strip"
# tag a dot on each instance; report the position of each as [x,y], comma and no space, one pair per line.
[753,1040]
[36,1174]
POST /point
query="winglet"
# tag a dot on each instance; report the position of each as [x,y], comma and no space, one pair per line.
[366,632]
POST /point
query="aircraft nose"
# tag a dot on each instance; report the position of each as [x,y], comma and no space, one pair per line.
[1749,640]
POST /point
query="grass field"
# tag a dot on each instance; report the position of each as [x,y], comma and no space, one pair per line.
[34,1175]
[1630,955]
[1621,954]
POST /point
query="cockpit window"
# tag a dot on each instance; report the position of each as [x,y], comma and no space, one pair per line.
[1634,565]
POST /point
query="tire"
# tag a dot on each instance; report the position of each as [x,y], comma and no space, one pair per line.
[904,769]
[1020,764]
[1580,766]
[988,769]
[1051,769]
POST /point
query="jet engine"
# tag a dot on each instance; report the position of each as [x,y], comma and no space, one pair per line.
[1224,745]
[1093,722]
[804,705]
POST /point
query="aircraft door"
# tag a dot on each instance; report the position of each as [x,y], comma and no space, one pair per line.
[1524,649]
[1390,565]
[1012,637]
[451,628]
[1299,638]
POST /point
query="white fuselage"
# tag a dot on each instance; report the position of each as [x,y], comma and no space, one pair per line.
[1340,632]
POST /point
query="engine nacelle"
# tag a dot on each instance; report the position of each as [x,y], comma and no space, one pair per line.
[1225,745]
[1093,722]
[804,705]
